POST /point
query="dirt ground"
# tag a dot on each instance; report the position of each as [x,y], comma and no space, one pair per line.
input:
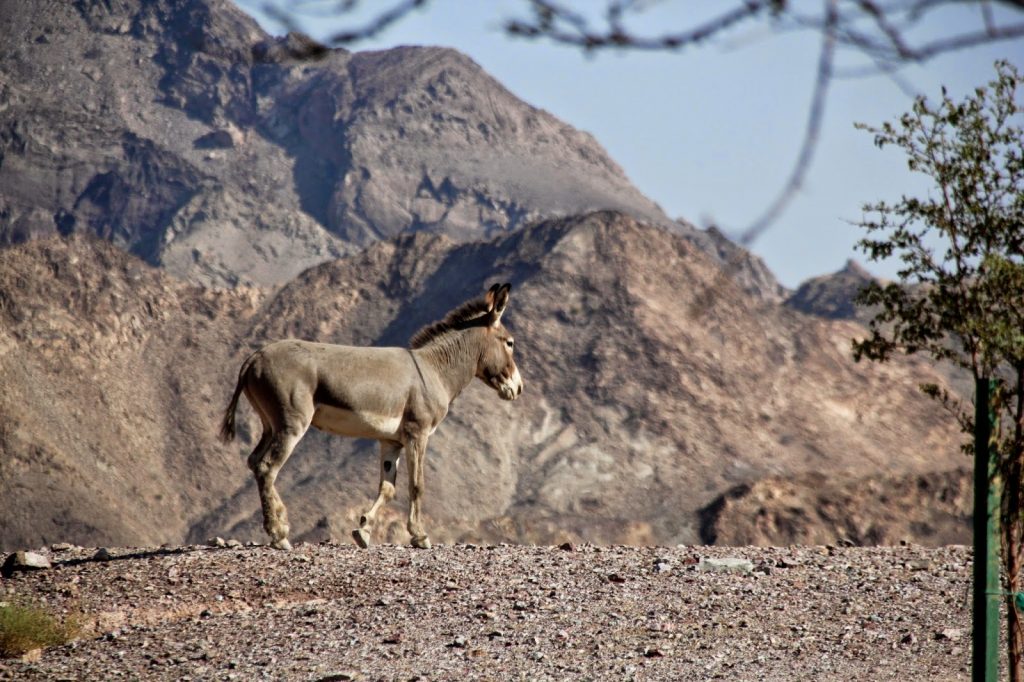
[335,612]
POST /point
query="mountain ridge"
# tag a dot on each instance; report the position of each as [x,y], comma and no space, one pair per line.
[273,189]
[636,413]
[202,144]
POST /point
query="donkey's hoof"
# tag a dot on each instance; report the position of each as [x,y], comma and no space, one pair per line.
[421,542]
[361,537]
[282,544]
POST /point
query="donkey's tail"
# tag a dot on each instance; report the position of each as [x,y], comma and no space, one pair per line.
[227,424]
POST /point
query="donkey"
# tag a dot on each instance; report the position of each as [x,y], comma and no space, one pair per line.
[397,396]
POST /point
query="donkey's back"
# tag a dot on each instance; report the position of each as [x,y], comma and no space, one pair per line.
[345,390]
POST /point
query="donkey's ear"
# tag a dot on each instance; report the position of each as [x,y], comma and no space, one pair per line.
[491,297]
[501,299]
[497,299]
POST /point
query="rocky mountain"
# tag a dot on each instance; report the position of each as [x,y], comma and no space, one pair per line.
[747,270]
[832,296]
[932,508]
[177,187]
[183,133]
[113,372]
[640,409]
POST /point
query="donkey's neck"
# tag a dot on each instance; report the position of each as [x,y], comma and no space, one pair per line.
[453,357]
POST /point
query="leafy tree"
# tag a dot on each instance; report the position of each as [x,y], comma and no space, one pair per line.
[960,294]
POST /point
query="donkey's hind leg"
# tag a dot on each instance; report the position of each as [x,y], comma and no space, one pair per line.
[266,468]
[390,452]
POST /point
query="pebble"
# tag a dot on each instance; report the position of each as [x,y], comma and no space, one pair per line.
[726,565]
[24,561]
[531,613]
[951,634]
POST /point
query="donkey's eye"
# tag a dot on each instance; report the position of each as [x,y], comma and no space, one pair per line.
[510,343]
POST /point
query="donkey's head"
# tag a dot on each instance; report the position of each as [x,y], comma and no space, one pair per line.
[496,367]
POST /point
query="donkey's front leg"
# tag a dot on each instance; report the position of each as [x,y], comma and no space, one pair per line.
[389,455]
[417,448]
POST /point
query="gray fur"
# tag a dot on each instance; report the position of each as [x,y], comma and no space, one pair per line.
[397,396]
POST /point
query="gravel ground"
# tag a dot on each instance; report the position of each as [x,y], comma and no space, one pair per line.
[335,612]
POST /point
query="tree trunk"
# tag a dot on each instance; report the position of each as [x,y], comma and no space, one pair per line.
[1016,642]
[1013,535]
[1014,622]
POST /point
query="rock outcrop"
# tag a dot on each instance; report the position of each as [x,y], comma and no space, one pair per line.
[818,509]
[832,296]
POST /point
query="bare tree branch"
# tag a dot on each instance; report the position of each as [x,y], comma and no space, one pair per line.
[886,35]
[286,14]
[823,79]
[551,20]
[377,25]
[892,22]
[879,30]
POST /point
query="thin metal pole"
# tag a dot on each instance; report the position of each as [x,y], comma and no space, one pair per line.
[985,659]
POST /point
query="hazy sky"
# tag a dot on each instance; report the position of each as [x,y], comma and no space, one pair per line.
[711,133]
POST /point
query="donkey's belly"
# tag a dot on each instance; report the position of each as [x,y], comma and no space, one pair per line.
[356,424]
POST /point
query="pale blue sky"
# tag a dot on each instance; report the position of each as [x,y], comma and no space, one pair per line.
[711,133]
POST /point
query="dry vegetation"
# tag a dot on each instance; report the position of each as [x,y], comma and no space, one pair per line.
[27,627]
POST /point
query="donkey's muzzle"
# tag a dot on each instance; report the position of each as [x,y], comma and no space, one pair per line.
[511,387]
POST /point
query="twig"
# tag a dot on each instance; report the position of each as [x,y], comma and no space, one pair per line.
[796,177]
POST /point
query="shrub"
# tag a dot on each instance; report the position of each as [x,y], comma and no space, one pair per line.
[24,627]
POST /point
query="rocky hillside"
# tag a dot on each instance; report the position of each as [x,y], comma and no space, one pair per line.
[748,271]
[640,409]
[815,508]
[352,198]
[832,296]
[180,131]
[113,372]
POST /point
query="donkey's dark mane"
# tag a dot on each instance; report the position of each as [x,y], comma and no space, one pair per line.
[469,314]
[476,313]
